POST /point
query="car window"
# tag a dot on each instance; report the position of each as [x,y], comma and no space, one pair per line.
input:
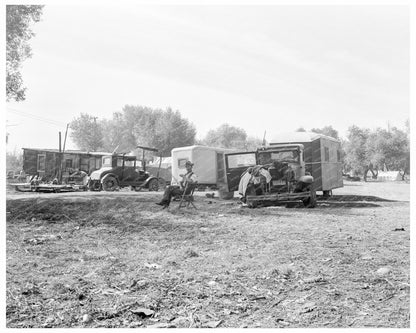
[288,155]
[107,161]
[241,160]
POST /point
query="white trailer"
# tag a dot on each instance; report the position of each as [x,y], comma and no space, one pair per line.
[208,164]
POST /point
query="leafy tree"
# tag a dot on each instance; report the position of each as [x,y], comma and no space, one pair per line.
[252,143]
[327,130]
[18,33]
[116,134]
[389,148]
[367,150]
[144,126]
[356,159]
[172,131]
[300,129]
[226,136]
[87,133]
[14,161]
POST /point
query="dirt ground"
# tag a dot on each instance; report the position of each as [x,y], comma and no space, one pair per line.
[118,260]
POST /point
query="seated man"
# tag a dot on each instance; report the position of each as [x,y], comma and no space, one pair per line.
[173,190]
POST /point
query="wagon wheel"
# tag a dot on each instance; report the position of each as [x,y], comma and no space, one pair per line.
[154,185]
[110,184]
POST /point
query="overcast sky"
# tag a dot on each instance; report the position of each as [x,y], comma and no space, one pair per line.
[261,68]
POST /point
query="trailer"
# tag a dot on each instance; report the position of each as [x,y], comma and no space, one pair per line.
[208,166]
[322,156]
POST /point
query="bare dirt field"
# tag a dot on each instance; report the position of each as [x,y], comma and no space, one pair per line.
[118,260]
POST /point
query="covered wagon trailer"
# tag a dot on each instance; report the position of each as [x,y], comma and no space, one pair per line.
[322,156]
[47,163]
[208,164]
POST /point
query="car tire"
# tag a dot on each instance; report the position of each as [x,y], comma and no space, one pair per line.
[311,201]
[153,185]
[110,184]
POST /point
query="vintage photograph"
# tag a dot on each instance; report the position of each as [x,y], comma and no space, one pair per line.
[207,164]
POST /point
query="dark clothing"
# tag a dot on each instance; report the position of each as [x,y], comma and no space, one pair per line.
[171,191]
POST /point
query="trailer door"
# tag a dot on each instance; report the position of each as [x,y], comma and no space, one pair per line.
[235,165]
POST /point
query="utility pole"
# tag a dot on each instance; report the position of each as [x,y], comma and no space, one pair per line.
[66,132]
[60,160]
[7,133]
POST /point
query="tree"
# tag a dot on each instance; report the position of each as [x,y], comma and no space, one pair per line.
[327,130]
[116,134]
[356,159]
[87,133]
[389,148]
[144,126]
[252,143]
[18,33]
[226,136]
[14,161]
[172,131]
[300,129]
[367,150]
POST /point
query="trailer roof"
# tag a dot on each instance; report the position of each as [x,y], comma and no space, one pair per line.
[202,147]
[288,137]
[97,153]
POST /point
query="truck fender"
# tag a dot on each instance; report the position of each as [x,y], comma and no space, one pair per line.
[306,179]
[148,180]
[109,175]
[304,183]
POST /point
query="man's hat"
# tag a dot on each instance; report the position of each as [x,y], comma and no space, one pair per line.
[189,163]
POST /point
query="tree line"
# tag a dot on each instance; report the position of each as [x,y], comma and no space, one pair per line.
[156,128]
[362,150]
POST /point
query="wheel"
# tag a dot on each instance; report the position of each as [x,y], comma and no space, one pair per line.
[110,184]
[153,185]
[94,185]
[251,204]
[311,201]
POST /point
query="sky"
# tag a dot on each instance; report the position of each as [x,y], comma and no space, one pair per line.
[263,68]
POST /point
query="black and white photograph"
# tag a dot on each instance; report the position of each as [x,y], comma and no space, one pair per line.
[208,164]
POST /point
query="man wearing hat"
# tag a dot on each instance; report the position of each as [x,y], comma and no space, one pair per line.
[173,190]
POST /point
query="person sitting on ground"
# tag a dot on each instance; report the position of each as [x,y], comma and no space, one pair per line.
[174,190]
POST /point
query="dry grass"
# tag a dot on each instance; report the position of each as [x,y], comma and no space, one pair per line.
[120,261]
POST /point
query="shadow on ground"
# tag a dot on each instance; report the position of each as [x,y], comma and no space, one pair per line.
[355,198]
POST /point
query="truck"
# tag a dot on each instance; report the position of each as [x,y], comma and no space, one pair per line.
[208,166]
[288,180]
[121,170]
[322,156]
